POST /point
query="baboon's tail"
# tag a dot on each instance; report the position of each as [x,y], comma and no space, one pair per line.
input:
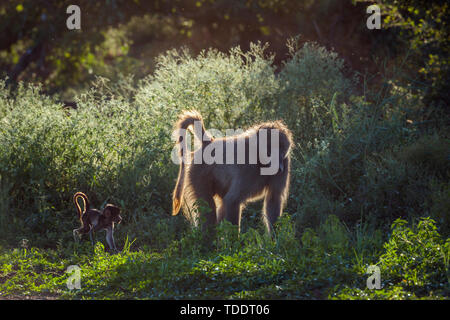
[192,118]
[178,192]
[85,203]
[186,120]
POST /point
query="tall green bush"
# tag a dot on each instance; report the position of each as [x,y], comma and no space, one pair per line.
[117,145]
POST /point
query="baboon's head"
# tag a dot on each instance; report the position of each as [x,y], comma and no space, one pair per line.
[285,147]
[113,213]
[284,143]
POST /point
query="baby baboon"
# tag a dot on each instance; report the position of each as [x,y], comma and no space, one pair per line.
[246,167]
[93,220]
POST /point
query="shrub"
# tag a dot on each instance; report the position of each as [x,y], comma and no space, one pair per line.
[417,257]
[351,176]
[430,153]
[312,83]
[415,264]
[440,206]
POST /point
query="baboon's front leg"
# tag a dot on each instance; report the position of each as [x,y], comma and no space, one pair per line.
[76,235]
[110,239]
[92,236]
[230,210]
[272,209]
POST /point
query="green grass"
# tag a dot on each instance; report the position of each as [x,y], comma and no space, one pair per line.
[414,264]
[358,166]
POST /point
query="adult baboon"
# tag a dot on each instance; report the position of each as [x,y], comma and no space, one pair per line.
[247,167]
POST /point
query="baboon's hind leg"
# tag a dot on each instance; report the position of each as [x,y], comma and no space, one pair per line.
[205,205]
